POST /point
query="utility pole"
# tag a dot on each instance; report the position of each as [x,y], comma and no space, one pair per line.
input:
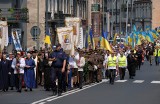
[112,21]
[120,17]
[131,13]
[103,16]
[127,19]
[37,35]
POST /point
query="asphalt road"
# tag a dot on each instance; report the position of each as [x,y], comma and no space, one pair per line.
[143,89]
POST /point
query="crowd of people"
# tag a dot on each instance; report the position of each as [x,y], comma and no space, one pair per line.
[60,72]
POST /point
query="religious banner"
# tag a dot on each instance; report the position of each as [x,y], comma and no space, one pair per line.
[65,35]
[75,23]
[16,40]
[3,34]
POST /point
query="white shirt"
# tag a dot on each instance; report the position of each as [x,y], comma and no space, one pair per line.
[22,65]
[81,64]
[73,60]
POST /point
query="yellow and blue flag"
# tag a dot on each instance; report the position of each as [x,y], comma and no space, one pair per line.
[104,43]
[47,37]
[149,37]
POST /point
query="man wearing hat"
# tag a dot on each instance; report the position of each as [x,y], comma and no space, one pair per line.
[18,65]
[58,59]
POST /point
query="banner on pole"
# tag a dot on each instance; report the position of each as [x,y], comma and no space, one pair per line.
[3,34]
[65,35]
[75,23]
[16,40]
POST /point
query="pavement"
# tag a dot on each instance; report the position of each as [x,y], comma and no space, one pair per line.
[143,89]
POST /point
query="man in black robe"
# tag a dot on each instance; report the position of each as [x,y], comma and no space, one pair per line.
[4,72]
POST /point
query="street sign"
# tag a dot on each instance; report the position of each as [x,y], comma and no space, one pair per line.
[35,32]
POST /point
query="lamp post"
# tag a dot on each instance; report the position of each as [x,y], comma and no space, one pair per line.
[37,35]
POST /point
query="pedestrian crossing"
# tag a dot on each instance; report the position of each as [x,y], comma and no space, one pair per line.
[133,81]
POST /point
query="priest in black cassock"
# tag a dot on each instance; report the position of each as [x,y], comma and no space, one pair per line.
[5,70]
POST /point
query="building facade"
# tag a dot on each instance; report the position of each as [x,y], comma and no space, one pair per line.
[139,14]
[155,14]
[57,10]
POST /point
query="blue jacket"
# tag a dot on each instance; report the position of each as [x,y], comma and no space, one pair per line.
[60,57]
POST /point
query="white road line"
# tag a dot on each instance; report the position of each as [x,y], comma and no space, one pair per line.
[42,103]
[155,82]
[121,81]
[73,92]
[65,94]
[138,81]
[105,80]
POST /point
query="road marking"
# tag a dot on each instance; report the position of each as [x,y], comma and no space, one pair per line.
[42,103]
[138,81]
[105,80]
[121,81]
[74,92]
[65,94]
[156,82]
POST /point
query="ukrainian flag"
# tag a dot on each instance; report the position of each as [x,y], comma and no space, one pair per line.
[154,34]
[114,39]
[149,37]
[130,39]
[138,41]
[143,34]
[91,39]
[104,43]
[47,38]
[86,42]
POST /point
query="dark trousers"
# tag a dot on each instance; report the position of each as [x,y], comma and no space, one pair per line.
[139,64]
[69,79]
[11,79]
[122,73]
[40,77]
[56,73]
[64,81]
[132,70]
[18,81]
[80,73]
[112,74]
[156,60]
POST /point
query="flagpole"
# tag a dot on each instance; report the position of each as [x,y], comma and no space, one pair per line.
[127,18]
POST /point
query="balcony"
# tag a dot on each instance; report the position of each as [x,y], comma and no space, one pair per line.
[14,15]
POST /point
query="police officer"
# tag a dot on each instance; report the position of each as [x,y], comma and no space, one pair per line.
[111,66]
[58,59]
[122,64]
